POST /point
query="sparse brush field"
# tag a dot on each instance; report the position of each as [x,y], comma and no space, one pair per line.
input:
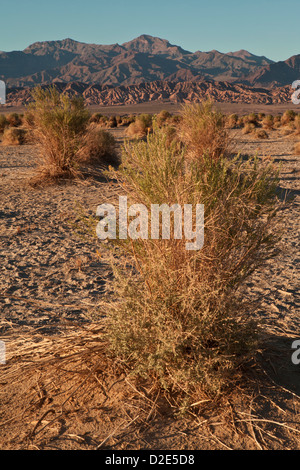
[143,344]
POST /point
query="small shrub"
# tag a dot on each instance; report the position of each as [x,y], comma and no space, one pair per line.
[268,122]
[14,136]
[297,124]
[112,122]
[14,119]
[28,120]
[277,119]
[95,118]
[127,120]
[240,122]
[203,130]
[140,127]
[99,146]
[171,135]
[232,121]
[288,116]
[163,117]
[248,129]
[119,120]
[261,134]
[251,119]
[3,122]
[146,119]
[58,124]
[175,119]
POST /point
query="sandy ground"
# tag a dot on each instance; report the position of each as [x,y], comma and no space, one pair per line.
[51,284]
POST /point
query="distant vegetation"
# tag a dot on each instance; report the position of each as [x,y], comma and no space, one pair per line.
[140,125]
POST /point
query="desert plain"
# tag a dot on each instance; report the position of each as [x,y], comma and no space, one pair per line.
[51,286]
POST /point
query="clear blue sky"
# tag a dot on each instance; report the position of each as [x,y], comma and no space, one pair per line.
[264,27]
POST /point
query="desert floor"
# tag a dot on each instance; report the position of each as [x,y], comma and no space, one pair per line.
[51,286]
[174,108]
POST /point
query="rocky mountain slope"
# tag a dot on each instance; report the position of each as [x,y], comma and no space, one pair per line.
[279,73]
[143,59]
[146,69]
[176,92]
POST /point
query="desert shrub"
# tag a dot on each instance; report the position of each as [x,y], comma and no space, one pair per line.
[127,120]
[288,116]
[232,121]
[28,125]
[277,119]
[297,124]
[175,119]
[28,120]
[98,146]
[248,128]
[178,316]
[203,130]
[95,118]
[58,124]
[104,121]
[119,120]
[251,119]
[112,122]
[136,130]
[261,134]
[277,122]
[162,117]
[268,121]
[3,122]
[172,135]
[140,127]
[14,119]
[287,130]
[261,116]
[146,119]
[240,122]
[14,136]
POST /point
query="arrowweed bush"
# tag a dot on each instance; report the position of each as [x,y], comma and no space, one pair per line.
[178,317]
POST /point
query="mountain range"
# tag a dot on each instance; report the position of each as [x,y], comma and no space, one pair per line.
[144,59]
[162,91]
